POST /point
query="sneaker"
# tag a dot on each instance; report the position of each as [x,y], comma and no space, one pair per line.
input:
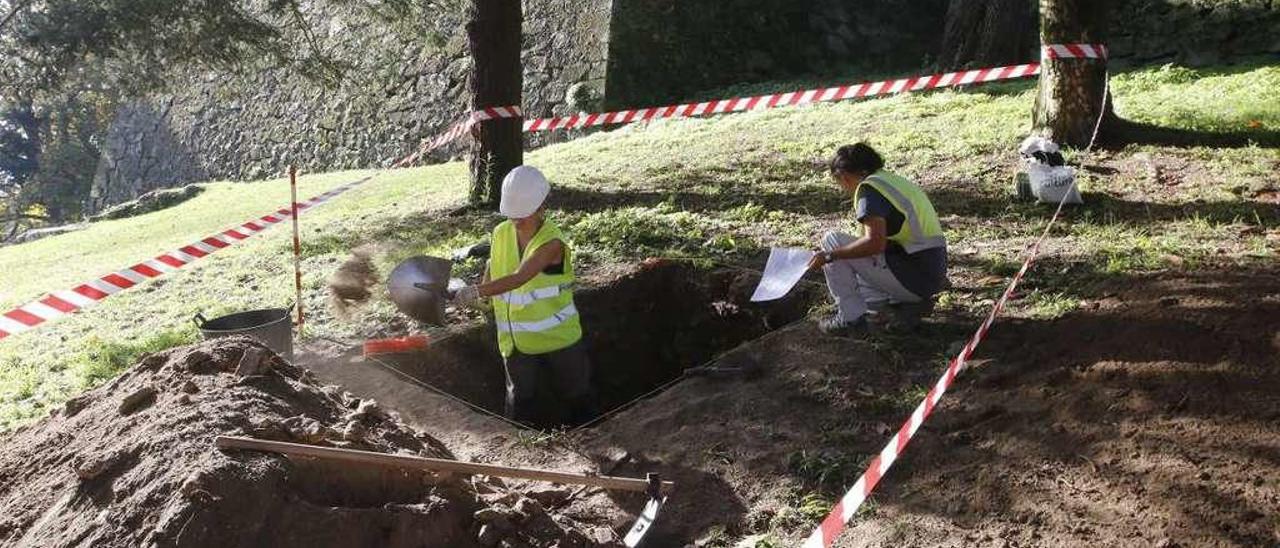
[837,327]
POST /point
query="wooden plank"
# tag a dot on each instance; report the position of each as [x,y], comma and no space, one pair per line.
[426,463]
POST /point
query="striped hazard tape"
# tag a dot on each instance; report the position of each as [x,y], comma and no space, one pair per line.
[63,303]
[834,523]
[791,98]
[1073,51]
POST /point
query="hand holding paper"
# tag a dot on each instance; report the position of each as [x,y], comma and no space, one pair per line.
[785,268]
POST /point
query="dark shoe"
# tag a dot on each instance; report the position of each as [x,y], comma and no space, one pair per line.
[906,316]
[837,327]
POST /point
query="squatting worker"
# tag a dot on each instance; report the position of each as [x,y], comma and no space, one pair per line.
[530,281]
[898,263]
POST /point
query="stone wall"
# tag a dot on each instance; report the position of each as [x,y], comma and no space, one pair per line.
[665,50]
[1193,32]
[408,80]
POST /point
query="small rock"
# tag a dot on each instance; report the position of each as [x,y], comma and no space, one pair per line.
[549,496]
[190,387]
[93,467]
[306,429]
[251,363]
[1169,301]
[601,535]
[529,507]
[506,499]
[74,405]
[368,411]
[138,399]
[184,399]
[194,482]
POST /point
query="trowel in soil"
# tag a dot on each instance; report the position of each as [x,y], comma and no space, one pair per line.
[647,516]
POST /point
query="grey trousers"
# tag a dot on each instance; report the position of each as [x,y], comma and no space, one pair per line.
[570,374]
[861,284]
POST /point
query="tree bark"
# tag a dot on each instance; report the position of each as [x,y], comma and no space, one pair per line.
[986,33]
[1070,99]
[496,80]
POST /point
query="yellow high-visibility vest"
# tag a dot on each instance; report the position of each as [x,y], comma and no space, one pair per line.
[921,228]
[539,316]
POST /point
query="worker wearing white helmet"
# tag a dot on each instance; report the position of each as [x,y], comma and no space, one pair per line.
[530,281]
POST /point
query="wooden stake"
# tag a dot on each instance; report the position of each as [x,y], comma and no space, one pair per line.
[439,465]
[297,243]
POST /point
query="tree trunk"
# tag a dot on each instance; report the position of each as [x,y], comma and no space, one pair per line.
[496,80]
[1071,90]
[986,33]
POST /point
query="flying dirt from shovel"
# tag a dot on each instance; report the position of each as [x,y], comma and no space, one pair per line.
[351,285]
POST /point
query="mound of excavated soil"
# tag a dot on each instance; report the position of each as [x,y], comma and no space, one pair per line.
[133,463]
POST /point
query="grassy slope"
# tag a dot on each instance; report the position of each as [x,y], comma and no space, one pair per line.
[726,186]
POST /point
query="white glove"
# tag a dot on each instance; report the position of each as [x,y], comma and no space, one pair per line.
[467,296]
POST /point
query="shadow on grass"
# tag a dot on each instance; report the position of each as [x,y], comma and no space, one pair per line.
[1122,133]
[955,200]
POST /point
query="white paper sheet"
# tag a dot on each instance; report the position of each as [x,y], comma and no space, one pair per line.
[785,268]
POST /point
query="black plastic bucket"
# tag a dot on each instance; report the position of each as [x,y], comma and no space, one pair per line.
[271,326]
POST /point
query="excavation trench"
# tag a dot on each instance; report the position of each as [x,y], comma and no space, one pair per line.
[642,330]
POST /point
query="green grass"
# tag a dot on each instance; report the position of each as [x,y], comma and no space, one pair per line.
[1201,99]
[725,187]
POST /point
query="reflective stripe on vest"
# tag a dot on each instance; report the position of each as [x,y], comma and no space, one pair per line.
[525,298]
[919,238]
[541,325]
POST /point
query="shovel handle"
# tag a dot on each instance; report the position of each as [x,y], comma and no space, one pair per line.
[199,320]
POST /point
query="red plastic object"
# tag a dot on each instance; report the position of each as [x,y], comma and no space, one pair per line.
[400,344]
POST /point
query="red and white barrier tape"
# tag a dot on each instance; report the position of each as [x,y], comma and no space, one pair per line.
[792,98]
[1073,51]
[844,510]
[63,303]
[827,531]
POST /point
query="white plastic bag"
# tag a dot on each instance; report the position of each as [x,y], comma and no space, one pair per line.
[1034,144]
[1050,183]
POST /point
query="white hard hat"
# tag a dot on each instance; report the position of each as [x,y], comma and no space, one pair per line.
[523,191]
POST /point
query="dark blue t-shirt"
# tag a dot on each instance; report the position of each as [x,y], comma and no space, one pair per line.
[923,272]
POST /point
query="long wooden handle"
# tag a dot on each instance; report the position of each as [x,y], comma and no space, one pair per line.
[425,463]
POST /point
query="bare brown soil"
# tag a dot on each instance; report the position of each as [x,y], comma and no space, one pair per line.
[1147,418]
[133,464]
